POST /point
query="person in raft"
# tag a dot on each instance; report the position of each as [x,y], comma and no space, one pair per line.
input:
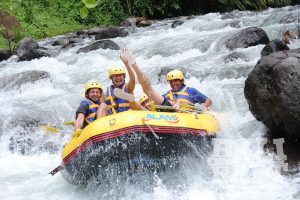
[117,74]
[180,96]
[90,108]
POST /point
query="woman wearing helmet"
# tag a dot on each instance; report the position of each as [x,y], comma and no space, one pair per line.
[90,108]
[187,97]
[117,75]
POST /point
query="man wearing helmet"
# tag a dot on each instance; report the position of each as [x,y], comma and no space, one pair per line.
[180,96]
[117,75]
[187,97]
[90,108]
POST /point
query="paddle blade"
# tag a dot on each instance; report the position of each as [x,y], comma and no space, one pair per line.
[123,95]
[69,123]
[50,129]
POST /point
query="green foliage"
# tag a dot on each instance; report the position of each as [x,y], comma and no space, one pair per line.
[252,4]
[84,12]
[278,3]
[45,18]
[10,29]
[90,3]
[162,8]
[108,12]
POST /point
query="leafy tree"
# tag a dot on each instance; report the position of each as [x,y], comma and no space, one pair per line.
[10,29]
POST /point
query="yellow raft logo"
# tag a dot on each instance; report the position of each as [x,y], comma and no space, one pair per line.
[168,118]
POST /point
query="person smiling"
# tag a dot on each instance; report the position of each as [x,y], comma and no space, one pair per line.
[181,94]
[90,108]
[117,74]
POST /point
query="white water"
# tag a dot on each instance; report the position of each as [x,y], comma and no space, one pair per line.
[245,171]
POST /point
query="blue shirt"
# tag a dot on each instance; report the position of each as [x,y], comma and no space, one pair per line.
[194,94]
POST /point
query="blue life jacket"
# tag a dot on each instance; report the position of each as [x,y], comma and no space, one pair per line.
[116,105]
[91,115]
[181,96]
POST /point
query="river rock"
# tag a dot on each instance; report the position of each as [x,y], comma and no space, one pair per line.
[274,46]
[289,18]
[145,22]
[248,37]
[272,91]
[61,42]
[177,23]
[111,32]
[131,21]
[28,50]
[235,24]
[16,80]
[4,54]
[96,30]
[103,44]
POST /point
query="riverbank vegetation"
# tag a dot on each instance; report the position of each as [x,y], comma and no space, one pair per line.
[47,18]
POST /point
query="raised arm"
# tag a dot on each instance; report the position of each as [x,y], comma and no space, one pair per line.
[131,82]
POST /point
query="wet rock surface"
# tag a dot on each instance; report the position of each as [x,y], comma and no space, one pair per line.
[104,44]
[272,91]
[274,46]
[248,37]
[28,50]
[16,80]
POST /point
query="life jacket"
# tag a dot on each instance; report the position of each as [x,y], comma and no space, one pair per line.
[181,96]
[91,115]
[116,105]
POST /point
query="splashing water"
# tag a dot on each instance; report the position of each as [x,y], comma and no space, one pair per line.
[239,167]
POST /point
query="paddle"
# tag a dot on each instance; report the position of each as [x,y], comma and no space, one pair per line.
[69,123]
[50,129]
[55,130]
[129,97]
[57,169]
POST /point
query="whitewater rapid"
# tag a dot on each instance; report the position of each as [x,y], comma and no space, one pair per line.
[240,168]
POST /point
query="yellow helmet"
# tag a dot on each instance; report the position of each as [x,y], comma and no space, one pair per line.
[93,84]
[116,70]
[144,98]
[175,74]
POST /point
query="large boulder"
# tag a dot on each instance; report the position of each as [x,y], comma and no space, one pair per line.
[28,50]
[272,90]
[16,80]
[274,46]
[248,37]
[104,44]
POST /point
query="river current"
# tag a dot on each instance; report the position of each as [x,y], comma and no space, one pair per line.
[240,167]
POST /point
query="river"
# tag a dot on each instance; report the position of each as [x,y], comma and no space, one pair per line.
[241,167]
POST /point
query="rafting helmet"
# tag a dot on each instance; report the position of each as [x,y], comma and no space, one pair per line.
[93,84]
[175,74]
[143,98]
[116,70]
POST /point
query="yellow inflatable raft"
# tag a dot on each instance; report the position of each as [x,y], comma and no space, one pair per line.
[135,138]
